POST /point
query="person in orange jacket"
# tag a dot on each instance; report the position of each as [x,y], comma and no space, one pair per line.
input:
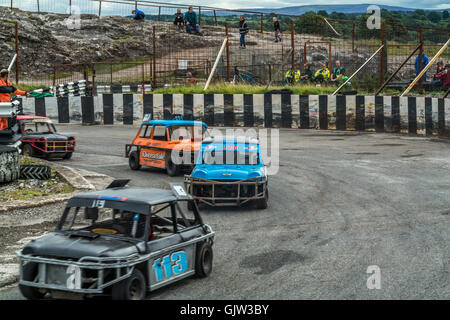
[6,88]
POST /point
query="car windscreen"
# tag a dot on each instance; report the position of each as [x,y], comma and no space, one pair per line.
[105,221]
[221,154]
[180,132]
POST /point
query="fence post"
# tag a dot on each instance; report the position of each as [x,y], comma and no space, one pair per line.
[215,17]
[111,73]
[17,52]
[54,77]
[292,45]
[135,5]
[70,7]
[383,53]
[228,52]
[420,55]
[353,37]
[11,4]
[159,13]
[99,9]
[262,23]
[93,79]
[154,57]
[39,11]
[199,15]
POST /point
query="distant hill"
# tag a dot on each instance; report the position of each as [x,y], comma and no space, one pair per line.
[342,8]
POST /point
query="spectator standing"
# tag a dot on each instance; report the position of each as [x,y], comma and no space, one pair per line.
[424,64]
[243,30]
[191,21]
[6,89]
[179,19]
[138,14]
[277,29]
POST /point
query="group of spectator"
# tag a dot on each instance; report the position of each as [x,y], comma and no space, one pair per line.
[187,20]
[322,75]
[440,79]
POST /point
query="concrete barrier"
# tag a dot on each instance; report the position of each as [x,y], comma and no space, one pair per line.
[414,115]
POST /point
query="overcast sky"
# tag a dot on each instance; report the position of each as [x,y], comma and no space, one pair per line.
[88,6]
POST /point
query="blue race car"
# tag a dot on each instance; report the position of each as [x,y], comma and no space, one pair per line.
[228,172]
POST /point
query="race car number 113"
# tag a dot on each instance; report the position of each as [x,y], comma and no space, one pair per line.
[164,268]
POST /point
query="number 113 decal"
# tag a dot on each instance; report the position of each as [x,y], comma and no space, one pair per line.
[170,265]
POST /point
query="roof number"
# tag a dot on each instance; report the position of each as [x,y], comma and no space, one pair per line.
[98,204]
[180,191]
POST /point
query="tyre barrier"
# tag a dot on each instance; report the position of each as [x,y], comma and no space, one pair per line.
[38,172]
[9,164]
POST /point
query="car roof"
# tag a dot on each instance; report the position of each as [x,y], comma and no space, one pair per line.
[230,140]
[169,123]
[31,117]
[131,199]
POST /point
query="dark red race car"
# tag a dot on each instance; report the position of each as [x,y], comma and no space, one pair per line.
[40,139]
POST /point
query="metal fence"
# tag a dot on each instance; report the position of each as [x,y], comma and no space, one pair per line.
[179,58]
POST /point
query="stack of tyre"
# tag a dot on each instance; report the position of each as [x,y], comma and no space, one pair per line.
[9,164]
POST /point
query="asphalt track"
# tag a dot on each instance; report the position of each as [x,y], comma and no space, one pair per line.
[341,202]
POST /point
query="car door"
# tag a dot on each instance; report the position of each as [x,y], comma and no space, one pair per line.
[174,257]
[153,153]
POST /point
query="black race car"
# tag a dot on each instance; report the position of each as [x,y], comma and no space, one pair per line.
[121,242]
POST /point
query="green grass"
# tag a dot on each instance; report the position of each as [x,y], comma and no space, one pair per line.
[245,89]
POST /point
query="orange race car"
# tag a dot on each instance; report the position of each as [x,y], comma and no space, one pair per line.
[166,144]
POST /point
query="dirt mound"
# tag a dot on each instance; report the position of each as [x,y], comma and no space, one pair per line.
[47,39]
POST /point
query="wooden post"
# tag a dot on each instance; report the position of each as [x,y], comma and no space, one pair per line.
[99,9]
[228,53]
[199,15]
[159,13]
[215,17]
[293,46]
[154,57]
[70,7]
[111,73]
[420,56]
[330,65]
[93,79]
[39,11]
[17,52]
[135,5]
[11,4]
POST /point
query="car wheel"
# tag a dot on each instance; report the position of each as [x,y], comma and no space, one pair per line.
[133,161]
[28,150]
[172,169]
[67,156]
[203,260]
[262,203]
[132,288]
[30,271]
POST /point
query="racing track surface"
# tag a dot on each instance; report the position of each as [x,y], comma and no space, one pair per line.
[341,201]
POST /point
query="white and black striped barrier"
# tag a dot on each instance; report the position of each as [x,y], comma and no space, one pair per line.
[123,89]
[415,115]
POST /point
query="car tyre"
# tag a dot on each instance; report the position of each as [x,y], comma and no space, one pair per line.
[262,203]
[132,288]
[67,156]
[133,161]
[28,150]
[30,271]
[172,169]
[204,260]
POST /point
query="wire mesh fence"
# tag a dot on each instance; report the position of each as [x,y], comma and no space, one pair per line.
[181,58]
